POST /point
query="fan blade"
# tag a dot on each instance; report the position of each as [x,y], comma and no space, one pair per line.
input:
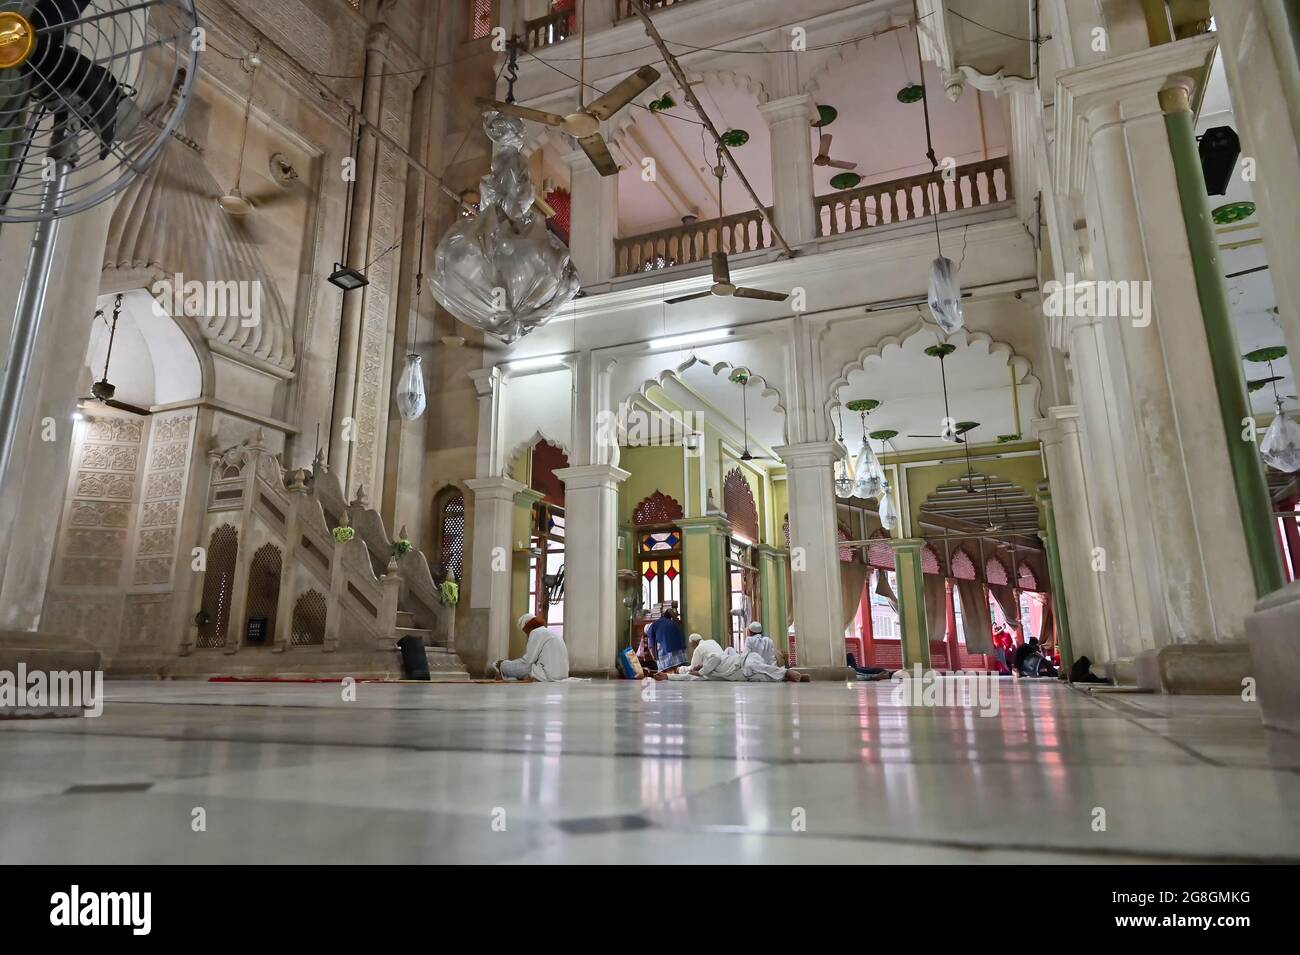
[123,406]
[825,147]
[523,112]
[841,164]
[721,272]
[605,106]
[596,150]
[760,293]
[687,298]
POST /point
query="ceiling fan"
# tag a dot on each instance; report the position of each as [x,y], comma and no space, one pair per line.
[583,124]
[103,390]
[722,284]
[952,431]
[823,155]
[742,378]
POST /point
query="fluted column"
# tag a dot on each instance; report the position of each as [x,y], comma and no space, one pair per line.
[593,219]
[789,121]
[591,565]
[814,553]
[1059,434]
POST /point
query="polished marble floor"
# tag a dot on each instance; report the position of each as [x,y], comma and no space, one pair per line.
[618,772]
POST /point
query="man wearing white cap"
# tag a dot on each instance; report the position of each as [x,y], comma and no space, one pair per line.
[760,643]
[709,661]
[545,658]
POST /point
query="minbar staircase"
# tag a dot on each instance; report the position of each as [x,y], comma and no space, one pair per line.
[282,596]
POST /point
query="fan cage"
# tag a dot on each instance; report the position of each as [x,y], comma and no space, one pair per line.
[133,62]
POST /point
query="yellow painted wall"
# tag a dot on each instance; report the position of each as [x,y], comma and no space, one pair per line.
[649,470]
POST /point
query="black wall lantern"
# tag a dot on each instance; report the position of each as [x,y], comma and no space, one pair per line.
[1219,148]
[347,278]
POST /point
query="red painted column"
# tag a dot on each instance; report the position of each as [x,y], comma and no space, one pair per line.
[864,622]
[950,626]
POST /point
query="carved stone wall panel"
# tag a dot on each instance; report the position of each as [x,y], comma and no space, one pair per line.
[94,618]
[145,619]
[95,539]
[159,517]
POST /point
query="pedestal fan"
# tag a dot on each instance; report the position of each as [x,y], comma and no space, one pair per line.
[90,92]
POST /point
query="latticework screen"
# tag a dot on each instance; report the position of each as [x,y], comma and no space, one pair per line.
[930,563]
[879,553]
[995,572]
[658,508]
[480,19]
[264,586]
[218,586]
[452,528]
[738,500]
[963,568]
[308,628]
[1026,579]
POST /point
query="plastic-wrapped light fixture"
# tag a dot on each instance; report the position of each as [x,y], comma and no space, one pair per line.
[503,271]
[945,294]
[843,483]
[887,511]
[410,390]
[869,477]
[1280,447]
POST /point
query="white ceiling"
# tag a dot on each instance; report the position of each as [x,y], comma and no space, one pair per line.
[907,383]
[885,137]
[153,363]
[706,388]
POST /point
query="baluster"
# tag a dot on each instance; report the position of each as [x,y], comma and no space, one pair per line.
[962,175]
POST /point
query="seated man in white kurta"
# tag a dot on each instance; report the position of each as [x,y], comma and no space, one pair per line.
[758,642]
[545,659]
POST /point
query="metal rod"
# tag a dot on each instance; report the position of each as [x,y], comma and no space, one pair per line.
[31,303]
[639,9]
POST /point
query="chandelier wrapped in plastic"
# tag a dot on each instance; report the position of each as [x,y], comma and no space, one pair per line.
[843,482]
[888,513]
[945,294]
[1280,447]
[410,390]
[503,271]
[869,477]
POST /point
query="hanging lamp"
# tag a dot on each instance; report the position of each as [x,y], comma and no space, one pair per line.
[945,290]
[868,476]
[1280,446]
[843,480]
[887,511]
[234,203]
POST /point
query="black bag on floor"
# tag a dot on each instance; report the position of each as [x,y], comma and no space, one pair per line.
[415,662]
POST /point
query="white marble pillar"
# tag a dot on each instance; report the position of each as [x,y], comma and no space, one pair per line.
[1059,433]
[789,123]
[591,565]
[593,219]
[32,497]
[1179,487]
[814,553]
[492,558]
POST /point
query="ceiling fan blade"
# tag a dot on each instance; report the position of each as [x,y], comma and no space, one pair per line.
[523,112]
[596,150]
[687,298]
[124,406]
[825,147]
[761,294]
[606,105]
[841,164]
[721,271]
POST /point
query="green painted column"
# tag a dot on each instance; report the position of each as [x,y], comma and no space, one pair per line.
[1059,610]
[1229,382]
[772,592]
[780,632]
[911,601]
[704,567]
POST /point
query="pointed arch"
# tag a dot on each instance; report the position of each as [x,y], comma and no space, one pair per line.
[962,565]
[218,587]
[449,528]
[738,502]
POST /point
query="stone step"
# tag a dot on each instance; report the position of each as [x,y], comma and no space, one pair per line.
[405,619]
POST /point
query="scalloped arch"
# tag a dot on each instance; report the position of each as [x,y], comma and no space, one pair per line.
[527,444]
[962,336]
[768,389]
[669,84]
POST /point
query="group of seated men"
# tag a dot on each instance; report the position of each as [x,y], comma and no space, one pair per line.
[546,659]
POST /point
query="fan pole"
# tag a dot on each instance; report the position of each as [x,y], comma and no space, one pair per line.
[31,297]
